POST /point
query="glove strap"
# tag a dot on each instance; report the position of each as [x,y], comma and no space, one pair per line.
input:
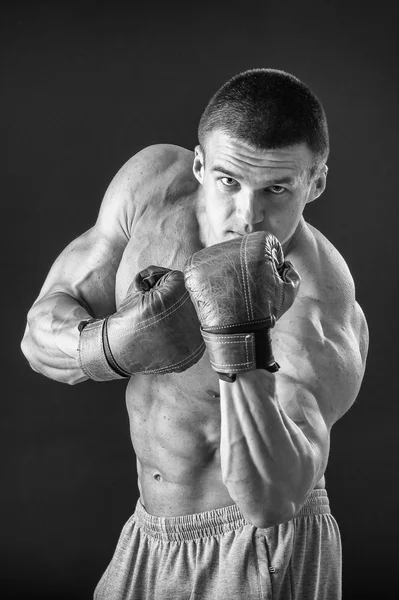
[95,356]
[233,353]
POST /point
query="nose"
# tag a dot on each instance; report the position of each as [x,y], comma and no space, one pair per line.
[249,208]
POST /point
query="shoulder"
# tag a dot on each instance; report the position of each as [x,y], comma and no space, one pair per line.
[327,322]
[324,272]
[150,176]
[326,278]
[158,160]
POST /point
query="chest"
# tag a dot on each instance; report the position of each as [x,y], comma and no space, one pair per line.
[164,236]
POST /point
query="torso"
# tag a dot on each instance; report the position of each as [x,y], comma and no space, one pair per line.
[175,418]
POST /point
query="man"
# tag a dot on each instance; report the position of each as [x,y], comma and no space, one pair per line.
[238,369]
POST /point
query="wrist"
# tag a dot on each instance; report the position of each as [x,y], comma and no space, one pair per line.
[234,353]
[95,355]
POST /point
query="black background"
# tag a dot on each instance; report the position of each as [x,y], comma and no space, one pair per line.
[84,87]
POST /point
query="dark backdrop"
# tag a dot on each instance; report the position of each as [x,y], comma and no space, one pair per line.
[84,87]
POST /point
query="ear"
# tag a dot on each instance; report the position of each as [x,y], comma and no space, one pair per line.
[319,184]
[199,164]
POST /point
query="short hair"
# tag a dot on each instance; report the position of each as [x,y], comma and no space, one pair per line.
[268,109]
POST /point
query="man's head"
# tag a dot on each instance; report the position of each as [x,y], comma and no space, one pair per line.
[268,109]
[262,127]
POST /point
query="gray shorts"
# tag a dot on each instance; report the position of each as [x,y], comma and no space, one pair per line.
[217,555]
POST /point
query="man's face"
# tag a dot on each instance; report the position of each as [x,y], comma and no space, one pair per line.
[245,189]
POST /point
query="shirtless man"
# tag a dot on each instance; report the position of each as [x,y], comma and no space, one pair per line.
[230,460]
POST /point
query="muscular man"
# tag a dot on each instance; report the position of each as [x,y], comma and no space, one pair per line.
[236,326]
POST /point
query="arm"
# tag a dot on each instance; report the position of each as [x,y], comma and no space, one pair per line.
[276,417]
[80,285]
[276,427]
[154,330]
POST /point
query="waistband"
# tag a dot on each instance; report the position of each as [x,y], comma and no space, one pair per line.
[213,522]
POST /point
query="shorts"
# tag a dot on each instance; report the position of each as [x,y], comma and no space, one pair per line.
[218,555]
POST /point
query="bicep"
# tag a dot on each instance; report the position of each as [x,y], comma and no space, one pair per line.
[86,271]
[321,370]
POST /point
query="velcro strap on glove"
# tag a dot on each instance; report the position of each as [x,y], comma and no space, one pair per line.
[95,357]
[232,353]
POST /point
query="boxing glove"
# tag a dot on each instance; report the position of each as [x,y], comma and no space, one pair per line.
[239,289]
[155,330]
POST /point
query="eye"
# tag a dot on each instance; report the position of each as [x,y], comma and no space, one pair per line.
[228,181]
[276,189]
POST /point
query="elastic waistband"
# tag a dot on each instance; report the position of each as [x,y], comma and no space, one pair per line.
[213,522]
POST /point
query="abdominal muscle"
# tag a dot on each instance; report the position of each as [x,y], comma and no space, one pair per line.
[175,431]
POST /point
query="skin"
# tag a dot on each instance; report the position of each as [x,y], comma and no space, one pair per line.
[263,441]
[245,190]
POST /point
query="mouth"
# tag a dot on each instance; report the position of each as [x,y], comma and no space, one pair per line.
[235,234]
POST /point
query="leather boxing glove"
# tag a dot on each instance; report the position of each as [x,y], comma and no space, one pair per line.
[239,289]
[155,330]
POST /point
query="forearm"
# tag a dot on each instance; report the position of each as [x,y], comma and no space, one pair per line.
[268,464]
[51,339]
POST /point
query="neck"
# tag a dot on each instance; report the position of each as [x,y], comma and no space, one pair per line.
[288,244]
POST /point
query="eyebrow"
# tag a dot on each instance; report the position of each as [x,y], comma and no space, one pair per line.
[277,181]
